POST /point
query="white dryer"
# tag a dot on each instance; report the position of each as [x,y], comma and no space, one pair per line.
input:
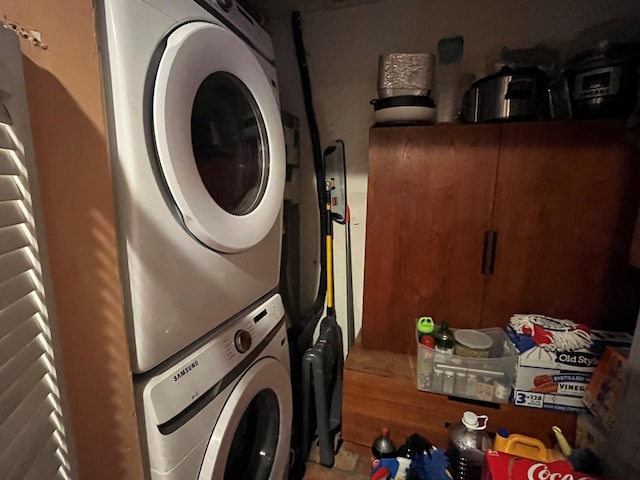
[198,158]
[223,412]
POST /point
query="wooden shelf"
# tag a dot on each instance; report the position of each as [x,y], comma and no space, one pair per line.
[380,391]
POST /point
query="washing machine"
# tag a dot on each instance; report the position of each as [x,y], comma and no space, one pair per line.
[198,156]
[224,410]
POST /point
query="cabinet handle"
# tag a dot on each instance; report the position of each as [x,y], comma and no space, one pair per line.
[483,267]
[494,248]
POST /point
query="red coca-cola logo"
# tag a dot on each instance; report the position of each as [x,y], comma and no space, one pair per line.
[540,471]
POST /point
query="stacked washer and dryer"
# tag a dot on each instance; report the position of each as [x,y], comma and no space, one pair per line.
[198,160]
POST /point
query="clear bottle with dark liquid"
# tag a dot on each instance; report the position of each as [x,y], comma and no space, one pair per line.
[444,339]
[467,442]
[382,446]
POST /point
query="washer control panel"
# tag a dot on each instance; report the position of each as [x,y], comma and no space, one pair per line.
[176,388]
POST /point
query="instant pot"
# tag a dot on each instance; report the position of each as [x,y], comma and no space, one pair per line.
[603,81]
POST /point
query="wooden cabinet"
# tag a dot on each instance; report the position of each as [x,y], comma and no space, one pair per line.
[565,206]
[430,199]
[473,223]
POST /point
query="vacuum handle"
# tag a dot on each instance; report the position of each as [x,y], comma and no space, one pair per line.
[329,250]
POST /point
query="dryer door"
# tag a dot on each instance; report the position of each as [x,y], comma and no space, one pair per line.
[252,436]
[219,137]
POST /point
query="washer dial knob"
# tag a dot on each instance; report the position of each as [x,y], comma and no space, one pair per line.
[242,341]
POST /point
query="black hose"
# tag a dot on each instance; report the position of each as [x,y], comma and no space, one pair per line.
[310,318]
[301,333]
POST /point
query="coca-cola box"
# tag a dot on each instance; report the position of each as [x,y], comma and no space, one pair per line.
[556,360]
[503,466]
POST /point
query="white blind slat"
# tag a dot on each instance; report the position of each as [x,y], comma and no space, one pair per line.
[10,213]
[46,464]
[32,437]
[12,238]
[35,403]
[43,441]
[38,429]
[14,289]
[8,165]
[11,399]
[61,474]
[8,189]
[17,313]
[11,344]
[14,263]
[11,371]
[6,141]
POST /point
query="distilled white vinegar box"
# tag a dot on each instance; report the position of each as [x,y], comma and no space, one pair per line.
[556,360]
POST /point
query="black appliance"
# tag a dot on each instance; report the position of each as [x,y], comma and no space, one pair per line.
[603,81]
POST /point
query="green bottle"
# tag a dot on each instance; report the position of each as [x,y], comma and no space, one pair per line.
[444,339]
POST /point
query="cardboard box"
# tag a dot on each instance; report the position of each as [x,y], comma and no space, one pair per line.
[563,403]
[502,466]
[556,360]
[607,385]
[548,388]
[553,381]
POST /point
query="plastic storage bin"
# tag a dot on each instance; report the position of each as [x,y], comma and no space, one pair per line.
[486,379]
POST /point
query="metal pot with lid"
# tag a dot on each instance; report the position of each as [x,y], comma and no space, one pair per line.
[403,108]
[510,94]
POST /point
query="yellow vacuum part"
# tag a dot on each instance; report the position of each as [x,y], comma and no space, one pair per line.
[329,243]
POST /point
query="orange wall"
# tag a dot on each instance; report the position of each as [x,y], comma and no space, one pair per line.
[69,133]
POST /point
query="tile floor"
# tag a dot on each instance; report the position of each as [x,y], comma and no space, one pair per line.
[352,462]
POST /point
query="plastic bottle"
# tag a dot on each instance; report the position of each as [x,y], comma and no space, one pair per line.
[382,446]
[500,442]
[425,331]
[437,380]
[445,341]
[415,446]
[467,442]
[472,385]
[447,77]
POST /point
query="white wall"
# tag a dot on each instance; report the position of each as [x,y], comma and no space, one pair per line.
[343,47]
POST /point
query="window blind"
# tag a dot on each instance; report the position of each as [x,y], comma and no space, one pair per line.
[33,442]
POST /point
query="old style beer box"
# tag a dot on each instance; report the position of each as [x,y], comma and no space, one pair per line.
[556,360]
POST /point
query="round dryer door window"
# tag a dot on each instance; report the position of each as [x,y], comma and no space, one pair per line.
[228,136]
[252,435]
[219,137]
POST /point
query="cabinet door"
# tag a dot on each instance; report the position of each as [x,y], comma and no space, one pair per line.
[429,204]
[565,205]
